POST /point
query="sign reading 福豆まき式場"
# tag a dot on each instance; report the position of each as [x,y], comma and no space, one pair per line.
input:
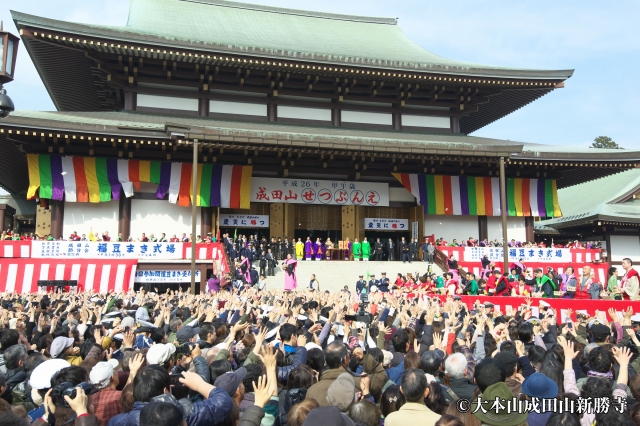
[312,191]
[244,220]
[532,254]
[106,250]
[165,276]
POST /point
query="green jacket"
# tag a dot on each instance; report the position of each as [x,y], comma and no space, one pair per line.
[366,248]
[473,288]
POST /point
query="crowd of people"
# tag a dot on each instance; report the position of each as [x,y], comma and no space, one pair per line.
[307,358]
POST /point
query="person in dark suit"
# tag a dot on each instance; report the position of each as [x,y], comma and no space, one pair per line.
[360,284]
[373,283]
[271,264]
[405,250]
[378,248]
[391,248]
[263,263]
[413,249]
[383,285]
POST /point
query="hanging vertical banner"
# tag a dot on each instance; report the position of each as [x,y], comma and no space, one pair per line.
[480,196]
[97,180]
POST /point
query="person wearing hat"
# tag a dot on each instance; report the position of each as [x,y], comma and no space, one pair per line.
[342,393]
[384,283]
[490,413]
[106,400]
[187,334]
[372,283]
[360,284]
[62,348]
[143,334]
[337,359]
[161,354]
[322,416]
[415,388]
[40,382]
[231,383]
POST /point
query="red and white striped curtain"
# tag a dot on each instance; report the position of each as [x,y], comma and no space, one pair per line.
[102,276]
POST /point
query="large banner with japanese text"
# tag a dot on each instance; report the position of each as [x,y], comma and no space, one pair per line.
[105,250]
[244,220]
[533,254]
[311,191]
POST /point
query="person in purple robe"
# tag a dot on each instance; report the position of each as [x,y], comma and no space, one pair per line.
[290,279]
[308,249]
[213,284]
[319,249]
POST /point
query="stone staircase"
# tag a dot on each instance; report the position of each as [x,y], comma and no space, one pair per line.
[334,275]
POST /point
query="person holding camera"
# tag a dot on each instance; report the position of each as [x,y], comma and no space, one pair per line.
[154,381]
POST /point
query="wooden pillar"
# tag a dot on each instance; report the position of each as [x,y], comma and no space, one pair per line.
[455,124]
[206,220]
[203,107]
[336,117]
[2,220]
[57,218]
[289,220]
[483,228]
[528,226]
[396,121]
[349,223]
[124,218]
[130,101]
[276,220]
[272,111]
[359,231]
[416,214]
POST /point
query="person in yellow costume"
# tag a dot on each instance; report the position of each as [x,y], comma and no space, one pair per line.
[299,249]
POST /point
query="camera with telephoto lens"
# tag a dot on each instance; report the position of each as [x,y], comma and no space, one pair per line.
[68,389]
[185,349]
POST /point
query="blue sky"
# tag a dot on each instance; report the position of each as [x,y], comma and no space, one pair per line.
[600,40]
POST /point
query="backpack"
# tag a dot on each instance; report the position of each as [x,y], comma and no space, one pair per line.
[292,397]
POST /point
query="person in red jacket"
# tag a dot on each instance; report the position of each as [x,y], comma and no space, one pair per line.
[503,286]
[492,282]
[452,285]
[584,284]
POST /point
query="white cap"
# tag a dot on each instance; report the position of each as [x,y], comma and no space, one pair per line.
[160,353]
[41,375]
[635,318]
[101,373]
[127,322]
[543,303]
[312,345]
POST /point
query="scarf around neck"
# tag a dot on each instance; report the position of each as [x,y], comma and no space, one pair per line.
[607,375]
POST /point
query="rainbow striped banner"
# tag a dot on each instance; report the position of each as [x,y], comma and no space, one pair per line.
[96,180]
[480,196]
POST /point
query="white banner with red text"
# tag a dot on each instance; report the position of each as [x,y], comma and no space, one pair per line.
[311,191]
[100,276]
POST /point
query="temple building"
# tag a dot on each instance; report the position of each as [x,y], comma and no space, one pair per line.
[303,124]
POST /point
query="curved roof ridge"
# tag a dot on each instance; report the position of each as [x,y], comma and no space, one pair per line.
[298,12]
